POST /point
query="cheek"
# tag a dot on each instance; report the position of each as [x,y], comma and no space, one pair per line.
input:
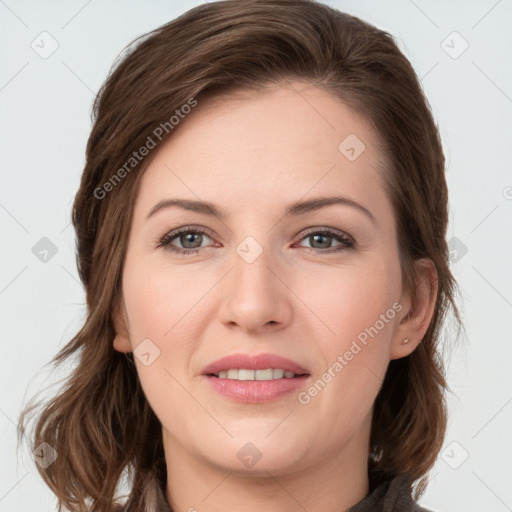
[155,315]
[164,308]
[158,299]
[354,298]
[358,308]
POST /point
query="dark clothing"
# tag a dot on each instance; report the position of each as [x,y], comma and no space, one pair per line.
[391,496]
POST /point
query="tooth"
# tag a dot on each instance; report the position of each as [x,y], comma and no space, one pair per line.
[245,374]
[278,373]
[264,374]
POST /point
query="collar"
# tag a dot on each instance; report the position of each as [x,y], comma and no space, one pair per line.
[390,496]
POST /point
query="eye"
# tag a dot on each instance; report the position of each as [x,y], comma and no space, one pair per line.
[322,239]
[189,238]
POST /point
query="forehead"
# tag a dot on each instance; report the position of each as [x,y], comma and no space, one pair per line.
[277,144]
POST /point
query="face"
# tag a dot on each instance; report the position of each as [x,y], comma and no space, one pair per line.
[273,273]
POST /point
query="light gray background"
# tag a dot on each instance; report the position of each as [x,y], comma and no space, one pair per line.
[44,122]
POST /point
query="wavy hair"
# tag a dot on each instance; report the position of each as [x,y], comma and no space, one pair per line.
[100,422]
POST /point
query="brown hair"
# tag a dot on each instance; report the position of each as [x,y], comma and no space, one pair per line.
[100,422]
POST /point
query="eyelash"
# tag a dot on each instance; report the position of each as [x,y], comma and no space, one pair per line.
[346,242]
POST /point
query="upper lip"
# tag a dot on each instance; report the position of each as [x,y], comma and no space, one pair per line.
[253,362]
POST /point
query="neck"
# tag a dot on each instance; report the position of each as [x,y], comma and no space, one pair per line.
[334,483]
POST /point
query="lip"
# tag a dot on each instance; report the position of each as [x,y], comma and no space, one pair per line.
[256,391]
[254,362]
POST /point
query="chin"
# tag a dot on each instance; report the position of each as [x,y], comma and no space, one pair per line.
[257,456]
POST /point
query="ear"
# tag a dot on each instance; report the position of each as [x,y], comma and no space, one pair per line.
[122,340]
[418,309]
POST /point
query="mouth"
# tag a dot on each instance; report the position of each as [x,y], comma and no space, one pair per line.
[255,378]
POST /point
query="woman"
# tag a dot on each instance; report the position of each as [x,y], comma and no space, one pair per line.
[261,235]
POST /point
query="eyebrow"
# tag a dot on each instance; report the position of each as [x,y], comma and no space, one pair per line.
[295,209]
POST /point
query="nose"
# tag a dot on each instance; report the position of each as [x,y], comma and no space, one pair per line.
[256,297]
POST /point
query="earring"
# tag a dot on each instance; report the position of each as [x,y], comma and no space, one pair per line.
[405,341]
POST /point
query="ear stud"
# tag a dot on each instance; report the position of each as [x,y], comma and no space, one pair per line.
[405,341]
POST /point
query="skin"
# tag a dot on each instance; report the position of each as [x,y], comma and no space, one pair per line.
[252,154]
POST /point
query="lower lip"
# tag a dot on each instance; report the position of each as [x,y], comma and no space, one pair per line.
[255,391]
